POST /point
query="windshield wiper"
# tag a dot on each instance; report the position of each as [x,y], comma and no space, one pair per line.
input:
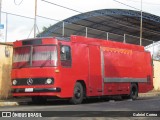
[25,63]
[22,65]
[49,58]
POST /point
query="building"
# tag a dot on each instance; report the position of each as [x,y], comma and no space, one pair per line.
[6,51]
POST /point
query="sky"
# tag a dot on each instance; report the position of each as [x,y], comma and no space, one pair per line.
[16,28]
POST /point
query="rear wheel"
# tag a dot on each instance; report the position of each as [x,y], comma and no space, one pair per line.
[134,91]
[39,100]
[78,94]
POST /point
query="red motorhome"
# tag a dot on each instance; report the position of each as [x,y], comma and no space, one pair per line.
[79,67]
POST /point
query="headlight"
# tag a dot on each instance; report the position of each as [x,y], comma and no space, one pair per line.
[49,81]
[14,82]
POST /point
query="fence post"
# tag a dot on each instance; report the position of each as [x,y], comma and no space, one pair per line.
[35,19]
[140,41]
[86,31]
[153,50]
[107,36]
[6,27]
[63,29]
[124,41]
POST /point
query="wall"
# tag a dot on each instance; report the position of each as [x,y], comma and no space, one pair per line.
[5,70]
[156,79]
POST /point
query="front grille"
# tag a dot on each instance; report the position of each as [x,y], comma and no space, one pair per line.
[32,81]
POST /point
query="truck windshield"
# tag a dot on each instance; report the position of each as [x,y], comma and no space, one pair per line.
[35,56]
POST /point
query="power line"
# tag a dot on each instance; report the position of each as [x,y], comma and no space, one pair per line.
[49,18]
[31,17]
[126,5]
[61,6]
[18,3]
[82,12]
[17,15]
[149,3]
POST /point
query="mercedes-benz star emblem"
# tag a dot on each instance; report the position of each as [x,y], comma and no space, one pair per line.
[29,81]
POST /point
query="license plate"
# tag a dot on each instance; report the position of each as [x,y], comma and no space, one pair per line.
[28,89]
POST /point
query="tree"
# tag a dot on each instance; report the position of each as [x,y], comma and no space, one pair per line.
[44,29]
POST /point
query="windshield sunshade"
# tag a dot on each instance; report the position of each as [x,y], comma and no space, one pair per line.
[35,56]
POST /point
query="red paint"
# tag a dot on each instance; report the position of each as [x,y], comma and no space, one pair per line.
[17,44]
[120,60]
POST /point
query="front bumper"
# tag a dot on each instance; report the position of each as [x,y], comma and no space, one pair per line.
[35,90]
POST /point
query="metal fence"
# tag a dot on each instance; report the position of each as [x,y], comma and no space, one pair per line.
[18,27]
[12,31]
[67,29]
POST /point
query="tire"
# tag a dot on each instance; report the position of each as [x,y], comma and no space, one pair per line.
[78,94]
[134,92]
[39,100]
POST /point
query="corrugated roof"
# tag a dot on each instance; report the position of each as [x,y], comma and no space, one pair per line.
[108,22]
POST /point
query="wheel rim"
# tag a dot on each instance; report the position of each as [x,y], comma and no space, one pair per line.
[77,92]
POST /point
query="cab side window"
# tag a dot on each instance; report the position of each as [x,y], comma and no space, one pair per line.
[65,55]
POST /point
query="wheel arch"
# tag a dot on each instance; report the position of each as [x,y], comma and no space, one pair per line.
[136,83]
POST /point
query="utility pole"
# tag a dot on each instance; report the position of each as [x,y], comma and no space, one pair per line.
[0,19]
[0,10]
[141,31]
[35,19]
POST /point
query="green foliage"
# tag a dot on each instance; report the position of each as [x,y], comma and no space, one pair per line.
[44,29]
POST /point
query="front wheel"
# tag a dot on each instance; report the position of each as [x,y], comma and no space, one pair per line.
[78,94]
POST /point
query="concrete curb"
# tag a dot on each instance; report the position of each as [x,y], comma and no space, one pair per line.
[5,103]
[14,101]
[150,94]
